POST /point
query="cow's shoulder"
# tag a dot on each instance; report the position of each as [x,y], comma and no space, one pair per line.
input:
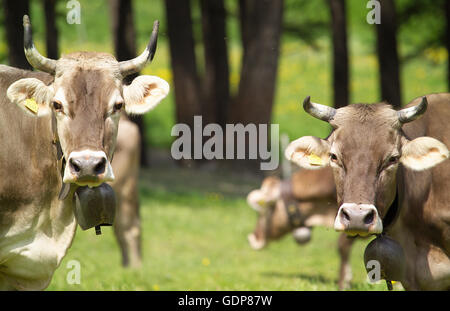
[434,122]
[9,75]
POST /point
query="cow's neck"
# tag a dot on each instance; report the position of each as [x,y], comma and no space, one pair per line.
[65,188]
[392,213]
[393,210]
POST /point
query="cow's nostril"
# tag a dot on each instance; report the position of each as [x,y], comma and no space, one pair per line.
[346,216]
[100,167]
[74,165]
[368,219]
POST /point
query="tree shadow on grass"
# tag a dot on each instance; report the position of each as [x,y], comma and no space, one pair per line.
[314,278]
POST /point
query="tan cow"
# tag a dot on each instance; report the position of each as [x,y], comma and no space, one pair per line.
[127,224]
[73,112]
[296,205]
[392,178]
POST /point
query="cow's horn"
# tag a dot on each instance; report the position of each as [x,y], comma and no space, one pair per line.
[33,56]
[318,111]
[136,64]
[410,114]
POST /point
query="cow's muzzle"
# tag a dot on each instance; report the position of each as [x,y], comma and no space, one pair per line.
[256,200]
[255,243]
[358,219]
[88,168]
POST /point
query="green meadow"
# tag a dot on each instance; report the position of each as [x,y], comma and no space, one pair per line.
[195,238]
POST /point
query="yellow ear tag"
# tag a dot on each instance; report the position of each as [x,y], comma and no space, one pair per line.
[32,105]
[315,160]
[261,202]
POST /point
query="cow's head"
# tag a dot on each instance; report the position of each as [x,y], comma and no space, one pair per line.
[263,201]
[273,220]
[364,151]
[87,97]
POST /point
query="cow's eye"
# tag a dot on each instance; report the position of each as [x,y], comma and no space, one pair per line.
[118,106]
[57,105]
[333,157]
[393,160]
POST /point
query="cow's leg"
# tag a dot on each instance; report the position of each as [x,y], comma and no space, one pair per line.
[345,272]
[127,226]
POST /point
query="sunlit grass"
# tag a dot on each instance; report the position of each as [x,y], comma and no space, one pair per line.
[196,240]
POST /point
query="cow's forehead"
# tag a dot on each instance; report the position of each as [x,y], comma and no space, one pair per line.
[370,129]
[88,61]
[362,141]
[87,81]
[380,115]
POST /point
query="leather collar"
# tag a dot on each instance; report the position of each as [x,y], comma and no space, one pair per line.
[65,188]
[391,214]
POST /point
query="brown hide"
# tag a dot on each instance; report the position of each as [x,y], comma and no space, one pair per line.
[125,163]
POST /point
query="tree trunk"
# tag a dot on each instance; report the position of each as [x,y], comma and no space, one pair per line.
[216,79]
[122,23]
[182,57]
[261,22]
[51,32]
[340,53]
[447,39]
[14,12]
[387,55]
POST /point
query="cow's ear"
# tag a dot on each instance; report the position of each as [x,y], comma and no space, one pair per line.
[423,153]
[309,152]
[144,93]
[32,95]
[257,200]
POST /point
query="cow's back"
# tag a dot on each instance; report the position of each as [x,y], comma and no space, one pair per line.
[436,181]
[27,164]
[313,184]
[435,121]
[423,228]
[126,160]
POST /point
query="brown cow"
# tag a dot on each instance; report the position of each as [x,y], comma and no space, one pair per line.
[72,112]
[391,177]
[127,224]
[296,205]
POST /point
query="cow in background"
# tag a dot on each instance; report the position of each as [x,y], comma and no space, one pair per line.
[127,224]
[296,205]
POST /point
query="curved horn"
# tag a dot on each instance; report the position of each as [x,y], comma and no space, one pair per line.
[33,56]
[318,111]
[136,64]
[410,114]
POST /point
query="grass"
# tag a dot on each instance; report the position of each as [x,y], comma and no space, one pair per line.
[194,238]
